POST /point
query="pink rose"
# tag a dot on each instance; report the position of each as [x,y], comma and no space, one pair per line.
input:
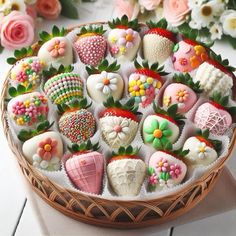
[150,4]
[16,30]
[31,11]
[175,11]
[49,9]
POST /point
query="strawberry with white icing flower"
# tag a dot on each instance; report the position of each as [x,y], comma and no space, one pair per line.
[118,123]
[162,127]
[215,75]
[104,81]
[91,45]
[188,55]
[124,39]
[215,115]
[158,42]
[85,167]
[126,171]
[182,92]
[166,169]
[202,150]
[145,82]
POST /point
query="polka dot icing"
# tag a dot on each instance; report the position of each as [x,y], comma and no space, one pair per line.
[64,87]
[77,126]
[143,88]
[27,71]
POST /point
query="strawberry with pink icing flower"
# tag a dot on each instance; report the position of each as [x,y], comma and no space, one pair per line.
[124,39]
[91,45]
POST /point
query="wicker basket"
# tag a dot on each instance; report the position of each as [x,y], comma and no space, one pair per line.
[108,213]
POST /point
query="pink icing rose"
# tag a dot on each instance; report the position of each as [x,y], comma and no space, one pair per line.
[49,9]
[16,30]
[175,11]
[150,4]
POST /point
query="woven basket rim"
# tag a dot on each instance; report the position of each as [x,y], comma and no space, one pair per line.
[22,160]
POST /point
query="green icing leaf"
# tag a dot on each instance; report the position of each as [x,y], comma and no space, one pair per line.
[149,138]
[167,132]
[12,92]
[154,125]
[151,171]
[163,125]
[176,47]
[157,143]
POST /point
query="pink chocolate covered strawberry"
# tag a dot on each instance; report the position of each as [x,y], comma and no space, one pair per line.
[145,82]
[158,42]
[91,45]
[215,115]
[85,167]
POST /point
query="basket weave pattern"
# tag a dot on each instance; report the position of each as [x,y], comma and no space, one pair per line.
[108,213]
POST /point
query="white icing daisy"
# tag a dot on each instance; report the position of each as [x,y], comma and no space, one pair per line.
[52,164]
[203,150]
[107,82]
[166,183]
[216,31]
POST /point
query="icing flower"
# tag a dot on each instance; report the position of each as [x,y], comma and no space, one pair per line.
[21,76]
[57,48]
[114,50]
[127,38]
[182,95]
[175,11]
[52,164]
[203,150]
[18,108]
[118,128]
[162,165]
[153,179]
[166,183]
[157,133]
[228,19]
[47,149]
[167,100]
[107,83]
[175,171]
[16,30]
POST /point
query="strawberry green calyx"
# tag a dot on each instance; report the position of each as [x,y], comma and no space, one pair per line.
[128,151]
[98,30]
[75,104]
[19,90]
[221,102]
[170,114]
[187,80]
[203,136]
[103,66]
[24,135]
[152,69]
[53,71]
[56,32]
[83,147]
[20,54]
[160,24]
[124,23]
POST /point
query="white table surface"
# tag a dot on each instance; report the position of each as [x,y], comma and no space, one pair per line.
[17,215]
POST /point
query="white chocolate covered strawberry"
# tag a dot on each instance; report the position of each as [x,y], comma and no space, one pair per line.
[124,39]
[118,123]
[162,128]
[215,115]
[85,167]
[158,42]
[126,172]
[104,81]
[91,45]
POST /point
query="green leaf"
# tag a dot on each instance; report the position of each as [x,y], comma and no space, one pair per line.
[1,48]
[206,133]
[68,9]
[55,31]
[21,89]
[11,60]
[12,92]
[40,127]
[17,53]
[151,171]
[172,110]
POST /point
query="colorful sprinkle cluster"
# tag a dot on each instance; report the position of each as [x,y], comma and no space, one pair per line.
[78,126]
[64,87]
[163,174]
[143,88]
[26,72]
[30,111]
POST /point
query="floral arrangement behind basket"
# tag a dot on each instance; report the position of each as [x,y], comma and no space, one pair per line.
[18,19]
[210,19]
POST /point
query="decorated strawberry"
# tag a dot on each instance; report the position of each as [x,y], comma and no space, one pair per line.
[85,167]
[162,128]
[126,171]
[158,42]
[202,150]
[215,75]
[118,123]
[215,115]
[182,92]
[91,45]
[145,82]
[103,81]
[124,39]
[166,169]
[76,122]
[188,55]
[63,85]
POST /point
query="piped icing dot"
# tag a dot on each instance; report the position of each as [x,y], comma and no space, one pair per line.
[157,133]
[117,128]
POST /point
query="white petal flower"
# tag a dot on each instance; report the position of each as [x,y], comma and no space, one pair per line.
[228,20]
[195,24]
[203,150]
[194,3]
[216,31]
